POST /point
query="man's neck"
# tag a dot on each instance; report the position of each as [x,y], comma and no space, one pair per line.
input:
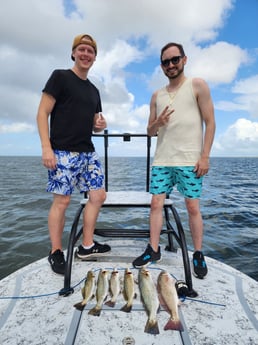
[175,83]
[82,74]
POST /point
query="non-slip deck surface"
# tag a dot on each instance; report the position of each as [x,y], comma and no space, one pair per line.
[225,311]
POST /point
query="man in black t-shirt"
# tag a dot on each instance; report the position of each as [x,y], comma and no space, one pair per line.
[74,106]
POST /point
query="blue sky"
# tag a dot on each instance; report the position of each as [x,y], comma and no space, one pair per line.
[219,37]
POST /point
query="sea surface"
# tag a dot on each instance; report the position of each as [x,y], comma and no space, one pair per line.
[229,206]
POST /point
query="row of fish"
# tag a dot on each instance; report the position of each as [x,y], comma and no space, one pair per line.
[152,297]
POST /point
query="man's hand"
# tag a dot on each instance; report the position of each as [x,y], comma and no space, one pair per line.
[202,166]
[100,123]
[48,158]
[164,116]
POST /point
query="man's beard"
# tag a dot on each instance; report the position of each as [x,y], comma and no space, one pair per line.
[179,71]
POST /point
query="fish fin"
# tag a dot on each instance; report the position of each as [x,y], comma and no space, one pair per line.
[175,325]
[110,303]
[126,308]
[152,327]
[79,306]
[94,311]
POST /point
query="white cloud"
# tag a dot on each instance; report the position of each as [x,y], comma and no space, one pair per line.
[126,118]
[217,63]
[198,20]
[16,127]
[247,86]
[248,91]
[246,99]
[36,37]
[241,138]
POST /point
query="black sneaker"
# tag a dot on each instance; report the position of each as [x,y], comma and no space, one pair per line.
[98,248]
[57,261]
[199,265]
[147,257]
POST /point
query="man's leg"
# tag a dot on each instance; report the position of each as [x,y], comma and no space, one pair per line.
[89,246]
[196,227]
[90,215]
[56,220]
[195,222]
[156,219]
[152,251]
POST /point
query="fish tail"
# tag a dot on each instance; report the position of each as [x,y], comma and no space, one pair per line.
[95,311]
[110,303]
[79,306]
[152,327]
[126,308]
[175,325]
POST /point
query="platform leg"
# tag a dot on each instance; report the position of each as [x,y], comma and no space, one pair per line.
[187,269]
[170,247]
[67,289]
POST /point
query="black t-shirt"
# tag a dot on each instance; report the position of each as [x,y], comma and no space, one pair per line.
[71,120]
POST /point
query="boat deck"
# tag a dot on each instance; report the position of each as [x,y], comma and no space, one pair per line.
[32,311]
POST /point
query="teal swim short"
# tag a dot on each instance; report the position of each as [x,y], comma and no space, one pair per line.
[163,179]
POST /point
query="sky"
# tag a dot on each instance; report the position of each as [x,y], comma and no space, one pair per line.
[219,37]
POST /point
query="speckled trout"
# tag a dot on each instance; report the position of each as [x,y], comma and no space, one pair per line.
[101,292]
[87,290]
[114,287]
[128,291]
[150,300]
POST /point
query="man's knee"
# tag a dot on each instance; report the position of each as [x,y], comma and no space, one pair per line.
[97,197]
[192,206]
[61,201]
[157,202]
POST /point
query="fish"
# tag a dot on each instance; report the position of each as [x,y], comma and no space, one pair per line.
[114,286]
[169,299]
[101,292]
[87,290]
[128,291]
[150,300]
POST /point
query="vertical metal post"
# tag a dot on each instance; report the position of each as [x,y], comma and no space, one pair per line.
[106,157]
[148,164]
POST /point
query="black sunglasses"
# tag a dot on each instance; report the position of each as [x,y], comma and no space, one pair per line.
[175,60]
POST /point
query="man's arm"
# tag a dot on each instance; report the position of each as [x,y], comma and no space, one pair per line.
[46,106]
[206,107]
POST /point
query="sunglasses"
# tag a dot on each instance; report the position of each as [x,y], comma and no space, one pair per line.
[175,60]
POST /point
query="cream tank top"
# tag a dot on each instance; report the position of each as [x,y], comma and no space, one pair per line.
[180,141]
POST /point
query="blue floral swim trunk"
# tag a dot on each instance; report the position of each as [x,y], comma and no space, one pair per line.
[163,179]
[75,169]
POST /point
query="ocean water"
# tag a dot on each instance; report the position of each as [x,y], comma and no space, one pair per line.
[229,206]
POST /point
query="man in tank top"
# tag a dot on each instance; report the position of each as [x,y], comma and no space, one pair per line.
[178,113]
[74,106]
